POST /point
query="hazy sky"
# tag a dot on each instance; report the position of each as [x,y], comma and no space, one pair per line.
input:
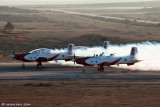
[43,2]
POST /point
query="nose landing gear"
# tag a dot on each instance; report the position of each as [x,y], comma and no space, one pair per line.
[84,69]
[23,65]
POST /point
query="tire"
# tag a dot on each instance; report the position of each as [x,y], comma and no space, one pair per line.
[23,66]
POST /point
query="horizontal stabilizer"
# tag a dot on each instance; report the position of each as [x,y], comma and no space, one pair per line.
[137,60]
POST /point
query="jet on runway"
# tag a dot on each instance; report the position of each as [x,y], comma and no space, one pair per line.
[45,55]
[102,60]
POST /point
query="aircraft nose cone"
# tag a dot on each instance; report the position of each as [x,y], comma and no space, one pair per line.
[12,56]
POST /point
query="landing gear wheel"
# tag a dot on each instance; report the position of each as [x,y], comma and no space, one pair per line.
[101,68]
[39,64]
[84,70]
[98,68]
[23,66]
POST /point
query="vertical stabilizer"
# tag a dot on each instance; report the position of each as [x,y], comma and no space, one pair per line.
[106,44]
[134,51]
[71,47]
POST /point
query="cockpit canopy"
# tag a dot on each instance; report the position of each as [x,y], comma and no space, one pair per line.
[40,50]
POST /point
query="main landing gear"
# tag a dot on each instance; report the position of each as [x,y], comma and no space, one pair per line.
[100,68]
[39,64]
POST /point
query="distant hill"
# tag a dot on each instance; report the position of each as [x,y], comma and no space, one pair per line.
[22,18]
[5,9]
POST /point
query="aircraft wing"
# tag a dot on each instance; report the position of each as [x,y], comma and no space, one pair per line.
[137,60]
[42,59]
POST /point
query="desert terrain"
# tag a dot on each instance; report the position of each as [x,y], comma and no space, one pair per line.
[55,26]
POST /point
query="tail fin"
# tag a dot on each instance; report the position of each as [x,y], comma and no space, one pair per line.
[134,51]
[71,47]
[106,44]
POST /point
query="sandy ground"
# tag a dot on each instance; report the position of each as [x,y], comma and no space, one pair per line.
[65,86]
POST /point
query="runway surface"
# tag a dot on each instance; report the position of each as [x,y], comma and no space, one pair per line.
[52,71]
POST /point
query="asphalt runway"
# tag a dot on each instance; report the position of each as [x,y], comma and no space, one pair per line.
[53,71]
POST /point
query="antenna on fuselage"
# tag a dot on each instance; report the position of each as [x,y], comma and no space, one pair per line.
[101,54]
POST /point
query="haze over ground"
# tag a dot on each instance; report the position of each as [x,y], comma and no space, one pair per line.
[54,2]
